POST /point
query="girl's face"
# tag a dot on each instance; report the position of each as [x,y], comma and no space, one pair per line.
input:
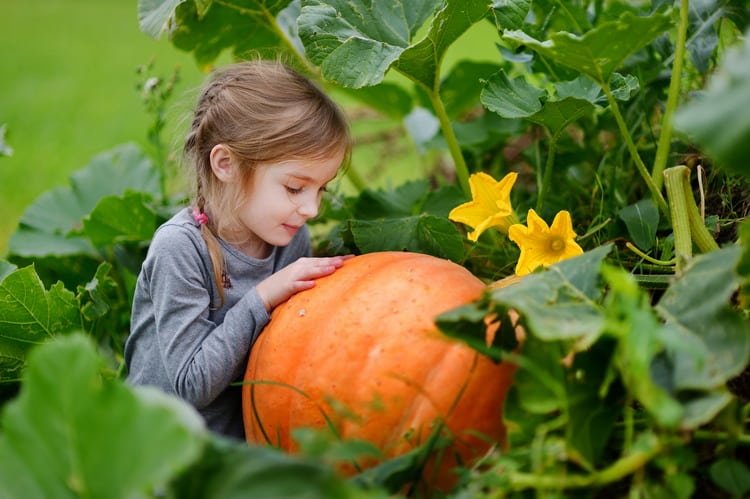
[282,198]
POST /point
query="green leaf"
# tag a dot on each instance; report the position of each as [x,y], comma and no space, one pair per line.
[600,51]
[701,408]
[518,99]
[697,304]
[234,470]
[511,98]
[421,62]
[71,433]
[702,33]
[556,115]
[389,98]
[559,303]
[732,476]
[6,268]
[117,219]
[622,88]
[245,28]
[713,119]
[156,16]
[37,244]
[30,315]
[593,411]
[461,88]
[402,201]
[540,379]
[510,14]
[429,234]
[207,27]
[46,223]
[641,220]
[91,297]
[633,323]
[356,42]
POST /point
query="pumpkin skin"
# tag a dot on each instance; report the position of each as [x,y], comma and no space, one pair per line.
[365,337]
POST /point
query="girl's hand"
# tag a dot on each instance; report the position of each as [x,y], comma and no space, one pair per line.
[296,277]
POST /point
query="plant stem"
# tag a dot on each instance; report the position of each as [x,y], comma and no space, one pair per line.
[655,191]
[620,469]
[547,175]
[462,171]
[664,263]
[698,231]
[675,185]
[721,436]
[665,138]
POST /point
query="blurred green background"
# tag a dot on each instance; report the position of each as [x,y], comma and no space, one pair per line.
[68,91]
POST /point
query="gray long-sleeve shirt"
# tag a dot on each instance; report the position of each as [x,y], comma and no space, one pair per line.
[179,340]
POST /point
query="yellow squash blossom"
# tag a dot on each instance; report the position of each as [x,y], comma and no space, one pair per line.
[489,206]
[541,244]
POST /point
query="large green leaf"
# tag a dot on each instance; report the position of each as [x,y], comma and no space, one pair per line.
[714,120]
[234,470]
[208,27]
[402,201]
[639,334]
[518,99]
[157,16]
[421,62]
[420,233]
[356,42]
[559,304]
[47,222]
[71,433]
[30,315]
[117,219]
[600,51]
[697,304]
[244,28]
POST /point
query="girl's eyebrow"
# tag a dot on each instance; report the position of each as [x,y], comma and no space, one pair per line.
[300,176]
[306,178]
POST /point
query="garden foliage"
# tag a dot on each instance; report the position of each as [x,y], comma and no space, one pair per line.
[633,374]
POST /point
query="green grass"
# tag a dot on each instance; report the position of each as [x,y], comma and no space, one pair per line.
[68,90]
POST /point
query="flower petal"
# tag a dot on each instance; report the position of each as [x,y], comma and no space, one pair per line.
[490,205]
[542,245]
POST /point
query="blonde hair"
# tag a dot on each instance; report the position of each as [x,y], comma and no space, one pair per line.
[263,112]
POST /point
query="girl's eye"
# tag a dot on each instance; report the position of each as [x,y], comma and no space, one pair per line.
[293,190]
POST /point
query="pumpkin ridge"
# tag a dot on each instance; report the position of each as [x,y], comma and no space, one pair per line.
[440,407]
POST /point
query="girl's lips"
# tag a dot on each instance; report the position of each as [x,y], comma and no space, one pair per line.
[292,229]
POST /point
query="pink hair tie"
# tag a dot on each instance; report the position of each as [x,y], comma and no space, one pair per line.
[200,217]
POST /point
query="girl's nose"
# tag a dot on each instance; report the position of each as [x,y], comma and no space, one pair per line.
[309,207]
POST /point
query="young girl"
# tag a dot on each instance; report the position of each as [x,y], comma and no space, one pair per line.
[265,142]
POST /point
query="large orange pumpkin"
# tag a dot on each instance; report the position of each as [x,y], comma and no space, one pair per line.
[365,338]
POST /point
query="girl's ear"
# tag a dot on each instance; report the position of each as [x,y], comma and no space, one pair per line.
[222,163]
